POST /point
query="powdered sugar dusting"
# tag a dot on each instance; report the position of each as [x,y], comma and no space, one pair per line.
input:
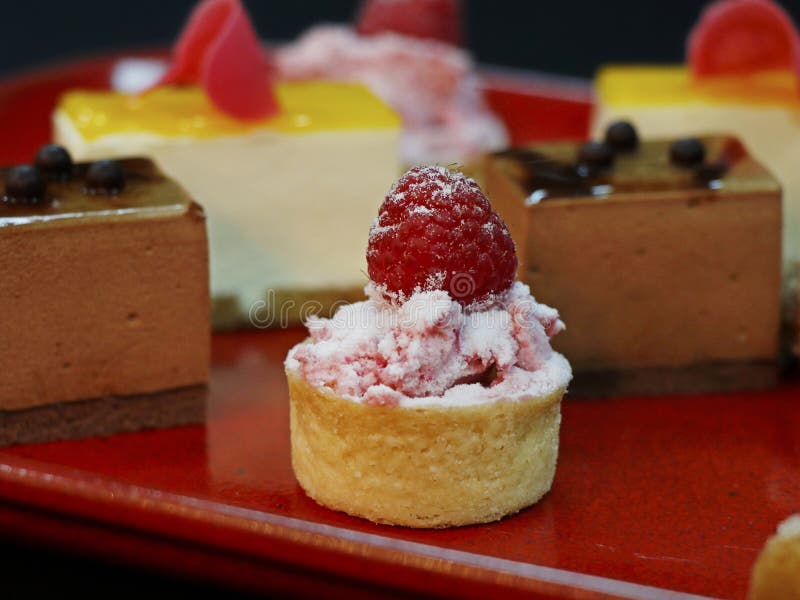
[430,351]
[436,181]
[435,281]
[377,230]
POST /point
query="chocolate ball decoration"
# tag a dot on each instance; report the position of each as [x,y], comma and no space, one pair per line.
[595,155]
[54,162]
[622,136]
[25,185]
[105,177]
[687,152]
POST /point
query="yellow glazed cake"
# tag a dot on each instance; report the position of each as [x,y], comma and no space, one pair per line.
[436,401]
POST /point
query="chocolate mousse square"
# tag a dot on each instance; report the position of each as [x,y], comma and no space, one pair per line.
[664,259]
[105,301]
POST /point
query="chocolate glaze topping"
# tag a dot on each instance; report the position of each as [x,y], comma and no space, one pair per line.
[595,156]
[549,174]
[554,171]
[24,185]
[145,189]
[105,177]
[687,152]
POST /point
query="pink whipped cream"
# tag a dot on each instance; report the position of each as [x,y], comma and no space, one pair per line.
[431,84]
[430,351]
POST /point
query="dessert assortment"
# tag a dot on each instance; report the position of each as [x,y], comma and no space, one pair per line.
[660,293]
[740,78]
[436,401]
[670,243]
[112,326]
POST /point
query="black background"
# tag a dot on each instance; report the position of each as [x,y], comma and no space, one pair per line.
[560,36]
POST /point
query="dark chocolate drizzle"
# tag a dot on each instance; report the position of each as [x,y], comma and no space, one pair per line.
[555,177]
[146,188]
[547,177]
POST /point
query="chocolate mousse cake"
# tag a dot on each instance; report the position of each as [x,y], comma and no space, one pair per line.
[105,299]
[663,256]
[740,76]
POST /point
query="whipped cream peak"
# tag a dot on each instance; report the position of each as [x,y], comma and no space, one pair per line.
[429,350]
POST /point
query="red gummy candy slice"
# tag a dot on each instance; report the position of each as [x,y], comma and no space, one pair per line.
[737,37]
[219,49]
[426,19]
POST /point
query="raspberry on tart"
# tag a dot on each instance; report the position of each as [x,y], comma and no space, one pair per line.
[437,231]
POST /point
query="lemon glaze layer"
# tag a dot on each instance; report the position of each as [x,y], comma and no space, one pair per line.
[186,112]
[650,85]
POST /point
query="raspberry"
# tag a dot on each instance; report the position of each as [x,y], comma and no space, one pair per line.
[437,231]
[426,19]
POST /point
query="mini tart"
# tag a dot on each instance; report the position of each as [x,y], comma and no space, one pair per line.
[436,466]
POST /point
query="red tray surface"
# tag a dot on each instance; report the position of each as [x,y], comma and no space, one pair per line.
[651,494]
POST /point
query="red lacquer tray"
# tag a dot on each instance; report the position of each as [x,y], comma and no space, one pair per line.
[654,497]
